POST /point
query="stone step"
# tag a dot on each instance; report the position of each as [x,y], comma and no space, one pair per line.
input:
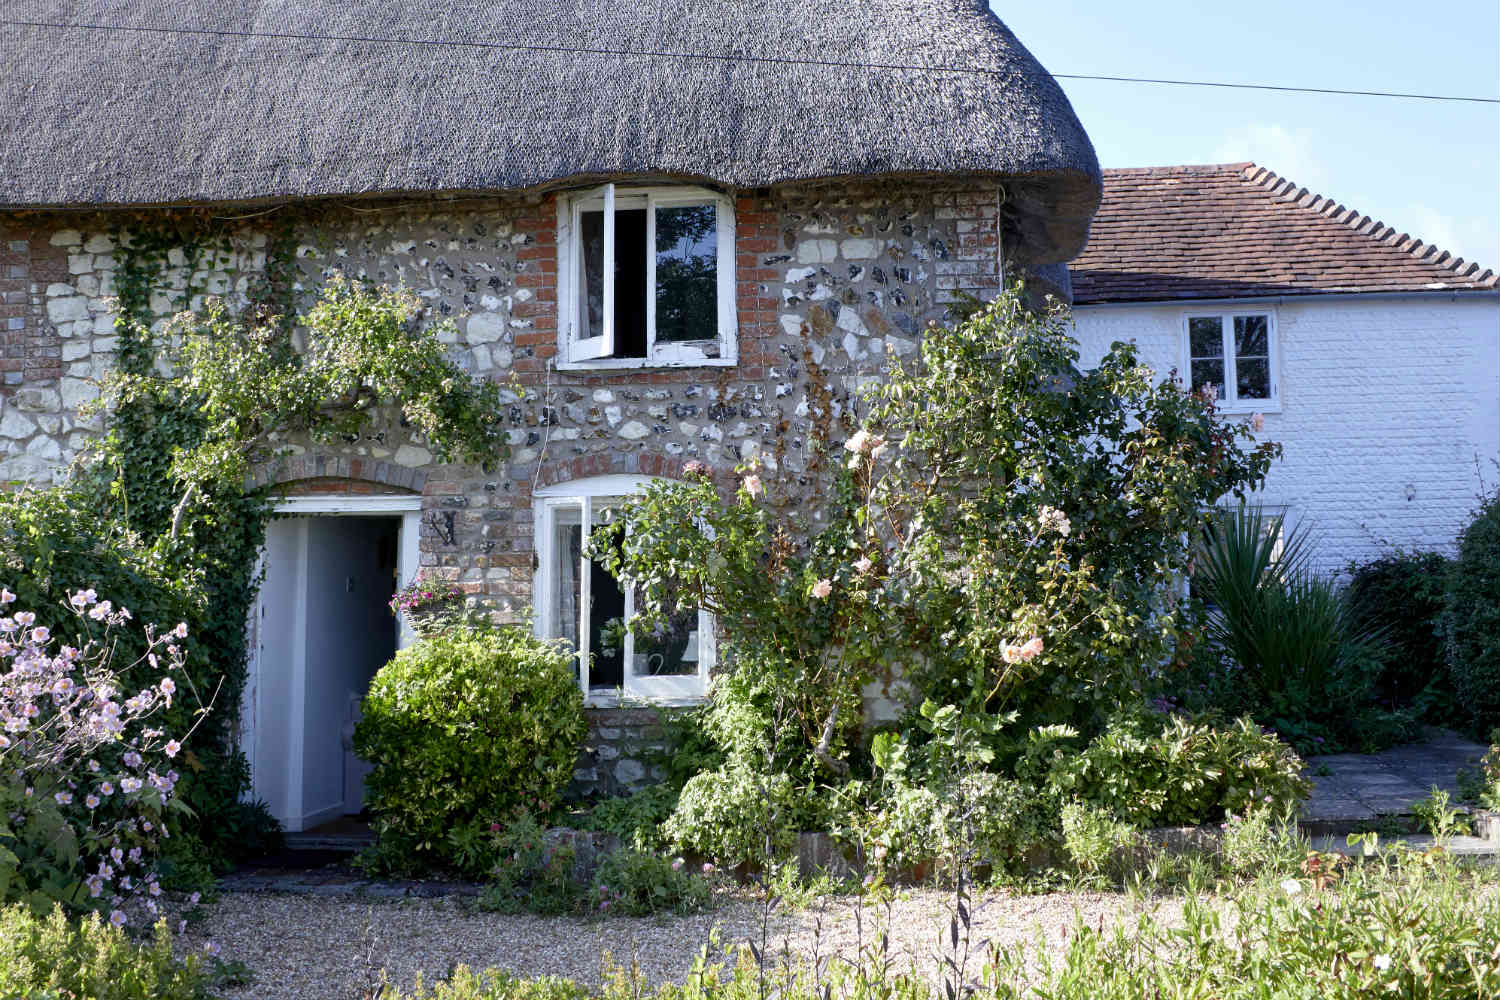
[1464,847]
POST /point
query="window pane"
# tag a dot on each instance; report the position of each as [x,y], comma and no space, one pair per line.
[630,282]
[1206,337]
[1251,338]
[671,652]
[687,262]
[606,629]
[1253,378]
[1209,373]
[591,275]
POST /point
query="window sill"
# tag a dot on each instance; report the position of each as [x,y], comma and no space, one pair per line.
[614,699]
[635,364]
[1245,409]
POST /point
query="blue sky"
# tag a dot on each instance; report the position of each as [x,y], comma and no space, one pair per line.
[1430,169]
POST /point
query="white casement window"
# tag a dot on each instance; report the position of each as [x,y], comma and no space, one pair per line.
[579,601]
[645,278]
[1236,353]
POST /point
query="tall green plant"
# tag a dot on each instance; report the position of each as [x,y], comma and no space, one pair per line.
[1302,652]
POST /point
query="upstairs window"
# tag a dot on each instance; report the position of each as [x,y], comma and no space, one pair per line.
[1237,354]
[646,278]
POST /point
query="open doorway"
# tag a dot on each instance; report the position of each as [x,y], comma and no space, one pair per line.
[323,628]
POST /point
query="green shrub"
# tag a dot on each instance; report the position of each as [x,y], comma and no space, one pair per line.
[637,818]
[1471,618]
[1401,596]
[1175,772]
[54,957]
[1418,927]
[1093,837]
[530,874]
[1284,645]
[734,815]
[637,884]
[465,729]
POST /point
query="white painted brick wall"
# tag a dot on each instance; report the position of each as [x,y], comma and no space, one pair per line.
[1390,412]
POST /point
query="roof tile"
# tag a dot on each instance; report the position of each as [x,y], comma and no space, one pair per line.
[1239,230]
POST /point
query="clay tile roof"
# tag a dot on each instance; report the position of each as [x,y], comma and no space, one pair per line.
[1236,230]
[288,99]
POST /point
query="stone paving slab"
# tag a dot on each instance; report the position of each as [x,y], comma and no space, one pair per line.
[339,880]
[1354,788]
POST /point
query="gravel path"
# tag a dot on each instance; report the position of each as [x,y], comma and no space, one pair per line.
[312,948]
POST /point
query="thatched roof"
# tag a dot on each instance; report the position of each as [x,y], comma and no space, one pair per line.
[113,117]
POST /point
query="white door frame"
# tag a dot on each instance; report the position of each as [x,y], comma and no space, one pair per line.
[408,559]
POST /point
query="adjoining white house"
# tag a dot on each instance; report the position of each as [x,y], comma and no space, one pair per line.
[1374,357]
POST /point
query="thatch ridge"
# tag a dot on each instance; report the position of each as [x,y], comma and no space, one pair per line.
[114,117]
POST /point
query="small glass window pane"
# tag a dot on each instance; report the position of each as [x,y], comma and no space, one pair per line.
[1206,337]
[673,651]
[687,263]
[1251,337]
[1252,378]
[591,275]
[1209,372]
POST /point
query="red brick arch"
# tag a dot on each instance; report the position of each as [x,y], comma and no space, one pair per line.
[322,474]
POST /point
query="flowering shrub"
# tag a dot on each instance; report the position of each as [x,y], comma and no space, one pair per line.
[86,777]
[1000,535]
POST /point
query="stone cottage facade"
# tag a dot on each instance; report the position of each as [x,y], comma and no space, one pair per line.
[665,260]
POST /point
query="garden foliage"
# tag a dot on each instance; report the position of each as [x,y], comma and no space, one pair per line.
[46,957]
[461,729]
[1471,619]
[1414,925]
[1401,595]
[87,767]
[998,535]
[1284,645]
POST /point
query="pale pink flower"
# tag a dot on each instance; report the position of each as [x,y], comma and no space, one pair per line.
[859,443]
[1257,422]
[707,868]
[822,589]
[878,446]
[863,564]
[1032,648]
[171,748]
[117,918]
[1009,653]
[6,596]
[181,630]
[677,864]
[25,618]
[40,634]
[753,486]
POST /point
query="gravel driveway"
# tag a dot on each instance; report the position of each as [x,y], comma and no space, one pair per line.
[313,948]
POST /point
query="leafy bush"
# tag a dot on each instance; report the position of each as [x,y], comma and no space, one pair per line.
[637,884]
[993,538]
[636,818]
[1092,836]
[1415,926]
[54,957]
[463,730]
[1175,772]
[1401,597]
[1284,645]
[1471,618]
[733,815]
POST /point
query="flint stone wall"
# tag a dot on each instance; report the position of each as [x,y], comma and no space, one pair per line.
[832,281]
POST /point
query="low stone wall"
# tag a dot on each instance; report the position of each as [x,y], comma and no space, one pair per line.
[619,755]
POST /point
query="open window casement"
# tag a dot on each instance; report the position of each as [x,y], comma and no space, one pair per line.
[647,276]
[579,601]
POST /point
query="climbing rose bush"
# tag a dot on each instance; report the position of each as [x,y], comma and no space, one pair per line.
[85,777]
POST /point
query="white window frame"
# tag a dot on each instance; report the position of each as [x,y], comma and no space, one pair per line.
[594,352]
[585,496]
[1231,403]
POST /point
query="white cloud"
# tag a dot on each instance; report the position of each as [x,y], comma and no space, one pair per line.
[1468,238]
[1287,151]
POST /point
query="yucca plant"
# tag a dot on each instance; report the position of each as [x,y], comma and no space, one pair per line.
[1303,652]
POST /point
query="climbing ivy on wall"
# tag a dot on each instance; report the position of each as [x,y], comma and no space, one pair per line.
[196,401]
[214,555]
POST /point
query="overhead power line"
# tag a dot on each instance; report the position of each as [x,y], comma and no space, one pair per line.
[714,57]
